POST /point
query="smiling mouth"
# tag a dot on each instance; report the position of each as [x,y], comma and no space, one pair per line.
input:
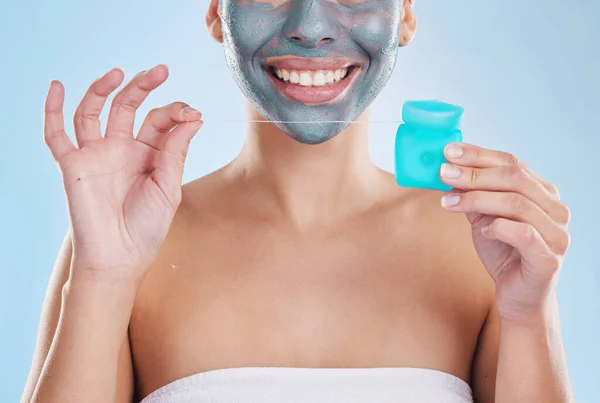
[312,81]
[312,78]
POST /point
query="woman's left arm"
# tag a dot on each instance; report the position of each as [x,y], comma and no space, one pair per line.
[518,362]
[519,228]
[531,362]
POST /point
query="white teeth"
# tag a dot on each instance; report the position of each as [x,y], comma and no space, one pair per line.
[311,78]
[294,78]
[329,77]
[305,79]
[318,79]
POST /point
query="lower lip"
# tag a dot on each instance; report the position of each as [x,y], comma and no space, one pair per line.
[313,95]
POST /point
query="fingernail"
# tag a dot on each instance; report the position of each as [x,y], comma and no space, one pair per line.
[450,200]
[485,230]
[198,125]
[158,66]
[140,73]
[454,151]
[189,112]
[450,171]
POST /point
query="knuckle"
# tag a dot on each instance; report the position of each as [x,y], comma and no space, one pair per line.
[529,234]
[553,263]
[52,111]
[158,118]
[553,190]
[518,174]
[518,204]
[51,136]
[474,200]
[511,159]
[177,105]
[563,214]
[567,212]
[127,106]
[94,88]
[481,219]
[81,117]
[475,154]
[563,244]
[125,103]
[472,176]
[153,113]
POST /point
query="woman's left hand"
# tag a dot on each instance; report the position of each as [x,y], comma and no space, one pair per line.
[519,225]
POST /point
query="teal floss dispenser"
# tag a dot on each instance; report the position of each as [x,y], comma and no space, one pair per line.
[419,152]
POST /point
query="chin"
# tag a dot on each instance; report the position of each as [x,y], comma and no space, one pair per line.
[312,133]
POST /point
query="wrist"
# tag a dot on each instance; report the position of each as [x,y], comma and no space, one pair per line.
[102,299]
[123,276]
[541,316]
[81,286]
[537,308]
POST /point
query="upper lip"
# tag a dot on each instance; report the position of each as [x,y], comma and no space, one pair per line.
[303,63]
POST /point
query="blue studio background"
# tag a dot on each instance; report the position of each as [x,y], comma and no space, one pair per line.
[526,73]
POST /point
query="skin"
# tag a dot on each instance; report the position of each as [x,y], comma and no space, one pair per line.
[248,265]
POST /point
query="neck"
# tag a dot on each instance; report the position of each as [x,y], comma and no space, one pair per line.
[308,184]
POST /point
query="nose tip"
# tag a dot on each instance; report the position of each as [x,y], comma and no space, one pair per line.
[310,42]
[308,25]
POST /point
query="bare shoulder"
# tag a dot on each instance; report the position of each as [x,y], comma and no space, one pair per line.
[420,210]
[203,208]
[444,238]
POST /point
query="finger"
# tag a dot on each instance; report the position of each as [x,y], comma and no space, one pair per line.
[513,206]
[535,254]
[507,178]
[55,136]
[161,121]
[86,120]
[168,172]
[471,155]
[552,190]
[122,112]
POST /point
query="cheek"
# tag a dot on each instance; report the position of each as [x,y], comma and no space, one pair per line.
[248,27]
[378,32]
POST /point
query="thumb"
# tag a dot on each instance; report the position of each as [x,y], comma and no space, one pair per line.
[168,170]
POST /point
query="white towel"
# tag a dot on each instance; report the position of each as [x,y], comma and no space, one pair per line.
[315,385]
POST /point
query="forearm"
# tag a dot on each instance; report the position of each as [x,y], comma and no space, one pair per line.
[531,364]
[82,364]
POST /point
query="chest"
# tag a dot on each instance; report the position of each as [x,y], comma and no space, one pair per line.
[342,300]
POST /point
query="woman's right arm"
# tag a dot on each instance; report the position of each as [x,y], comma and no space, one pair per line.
[122,194]
[48,327]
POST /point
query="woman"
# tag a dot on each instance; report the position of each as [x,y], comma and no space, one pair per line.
[300,271]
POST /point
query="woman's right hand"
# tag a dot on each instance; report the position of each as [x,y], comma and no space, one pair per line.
[122,192]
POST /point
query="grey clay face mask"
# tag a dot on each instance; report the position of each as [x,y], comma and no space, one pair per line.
[273,46]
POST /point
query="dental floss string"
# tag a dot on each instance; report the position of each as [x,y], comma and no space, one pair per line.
[303,122]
